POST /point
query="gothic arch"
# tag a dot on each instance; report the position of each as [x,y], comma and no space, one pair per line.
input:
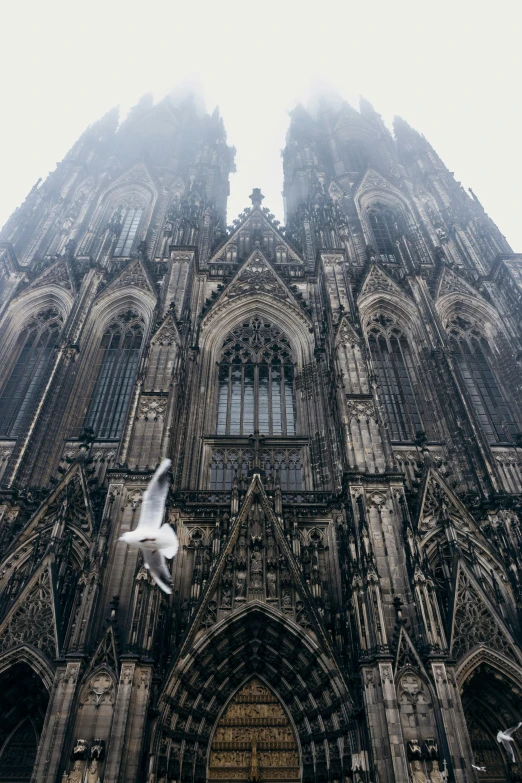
[135,187]
[490,691]
[24,699]
[221,319]
[39,663]
[395,305]
[395,340]
[25,307]
[256,641]
[105,309]
[485,358]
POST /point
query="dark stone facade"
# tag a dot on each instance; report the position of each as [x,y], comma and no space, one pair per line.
[340,399]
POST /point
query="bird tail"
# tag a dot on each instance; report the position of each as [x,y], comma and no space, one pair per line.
[170,551]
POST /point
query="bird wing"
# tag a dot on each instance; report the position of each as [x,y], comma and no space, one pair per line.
[154,497]
[508,747]
[156,564]
[509,732]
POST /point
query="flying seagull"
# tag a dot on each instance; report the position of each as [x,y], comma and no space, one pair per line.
[155,540]
[507,740]
[480,769]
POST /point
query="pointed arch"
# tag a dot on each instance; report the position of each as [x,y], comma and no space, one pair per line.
[256,381]
[475,341]
[258,642]
[393,333]
[29,337]
[23,704]
[123,210]
[108,310]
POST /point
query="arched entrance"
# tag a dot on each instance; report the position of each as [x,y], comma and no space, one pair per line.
[256,644]
[254,739]
[23,704]
[492,702]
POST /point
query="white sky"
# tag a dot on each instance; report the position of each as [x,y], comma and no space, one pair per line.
[451,69]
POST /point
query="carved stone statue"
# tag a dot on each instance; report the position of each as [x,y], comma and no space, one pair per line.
[436,776]
[271,584]
[92,773]
[240,584]
[256,569]
[417,772]
[226,597]
[76,774]
[254,765]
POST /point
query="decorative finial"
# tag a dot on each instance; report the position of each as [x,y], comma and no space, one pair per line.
[256,197]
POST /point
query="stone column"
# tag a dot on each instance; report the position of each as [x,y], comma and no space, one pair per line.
[119,723]
[454,721]
[50,750]
[135,736]
[384,724]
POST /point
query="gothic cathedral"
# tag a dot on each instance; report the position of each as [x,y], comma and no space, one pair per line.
[340,399]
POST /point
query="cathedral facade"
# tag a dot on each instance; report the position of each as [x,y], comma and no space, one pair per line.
[340,399]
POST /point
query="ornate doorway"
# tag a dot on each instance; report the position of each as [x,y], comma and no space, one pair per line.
[23,703]
[492,702]
[254,740]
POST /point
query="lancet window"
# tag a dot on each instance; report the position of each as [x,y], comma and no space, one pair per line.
[129,219]
[395,371]
[117,366]
[35,348]
[383,224]
[256,381]
[473,358]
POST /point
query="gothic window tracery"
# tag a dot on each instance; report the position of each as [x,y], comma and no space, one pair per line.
[283,465]
[117,366]
[35,347]
[383,223]
[394,366]
[475,363]
[256,381]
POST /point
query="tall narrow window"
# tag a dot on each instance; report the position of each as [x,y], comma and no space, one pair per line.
[473,359]
[256,381]
[117,366]
[26,378]
[130,220]
[383,223]
[394,367]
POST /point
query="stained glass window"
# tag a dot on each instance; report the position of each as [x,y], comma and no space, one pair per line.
[394,367]
[383,223]
[117,366]
[130,220]
[474,362]
[36,345]
[256,381]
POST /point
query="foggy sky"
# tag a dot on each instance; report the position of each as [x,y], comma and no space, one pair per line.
[451,69]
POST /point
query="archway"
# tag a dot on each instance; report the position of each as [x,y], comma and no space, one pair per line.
[491,702]
[255,644]
[254,739]
[23,704]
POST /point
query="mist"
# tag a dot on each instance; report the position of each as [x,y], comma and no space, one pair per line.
[450,69]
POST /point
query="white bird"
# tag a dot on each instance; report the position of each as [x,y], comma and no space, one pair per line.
[155,540]
[507,740]
[480,769]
